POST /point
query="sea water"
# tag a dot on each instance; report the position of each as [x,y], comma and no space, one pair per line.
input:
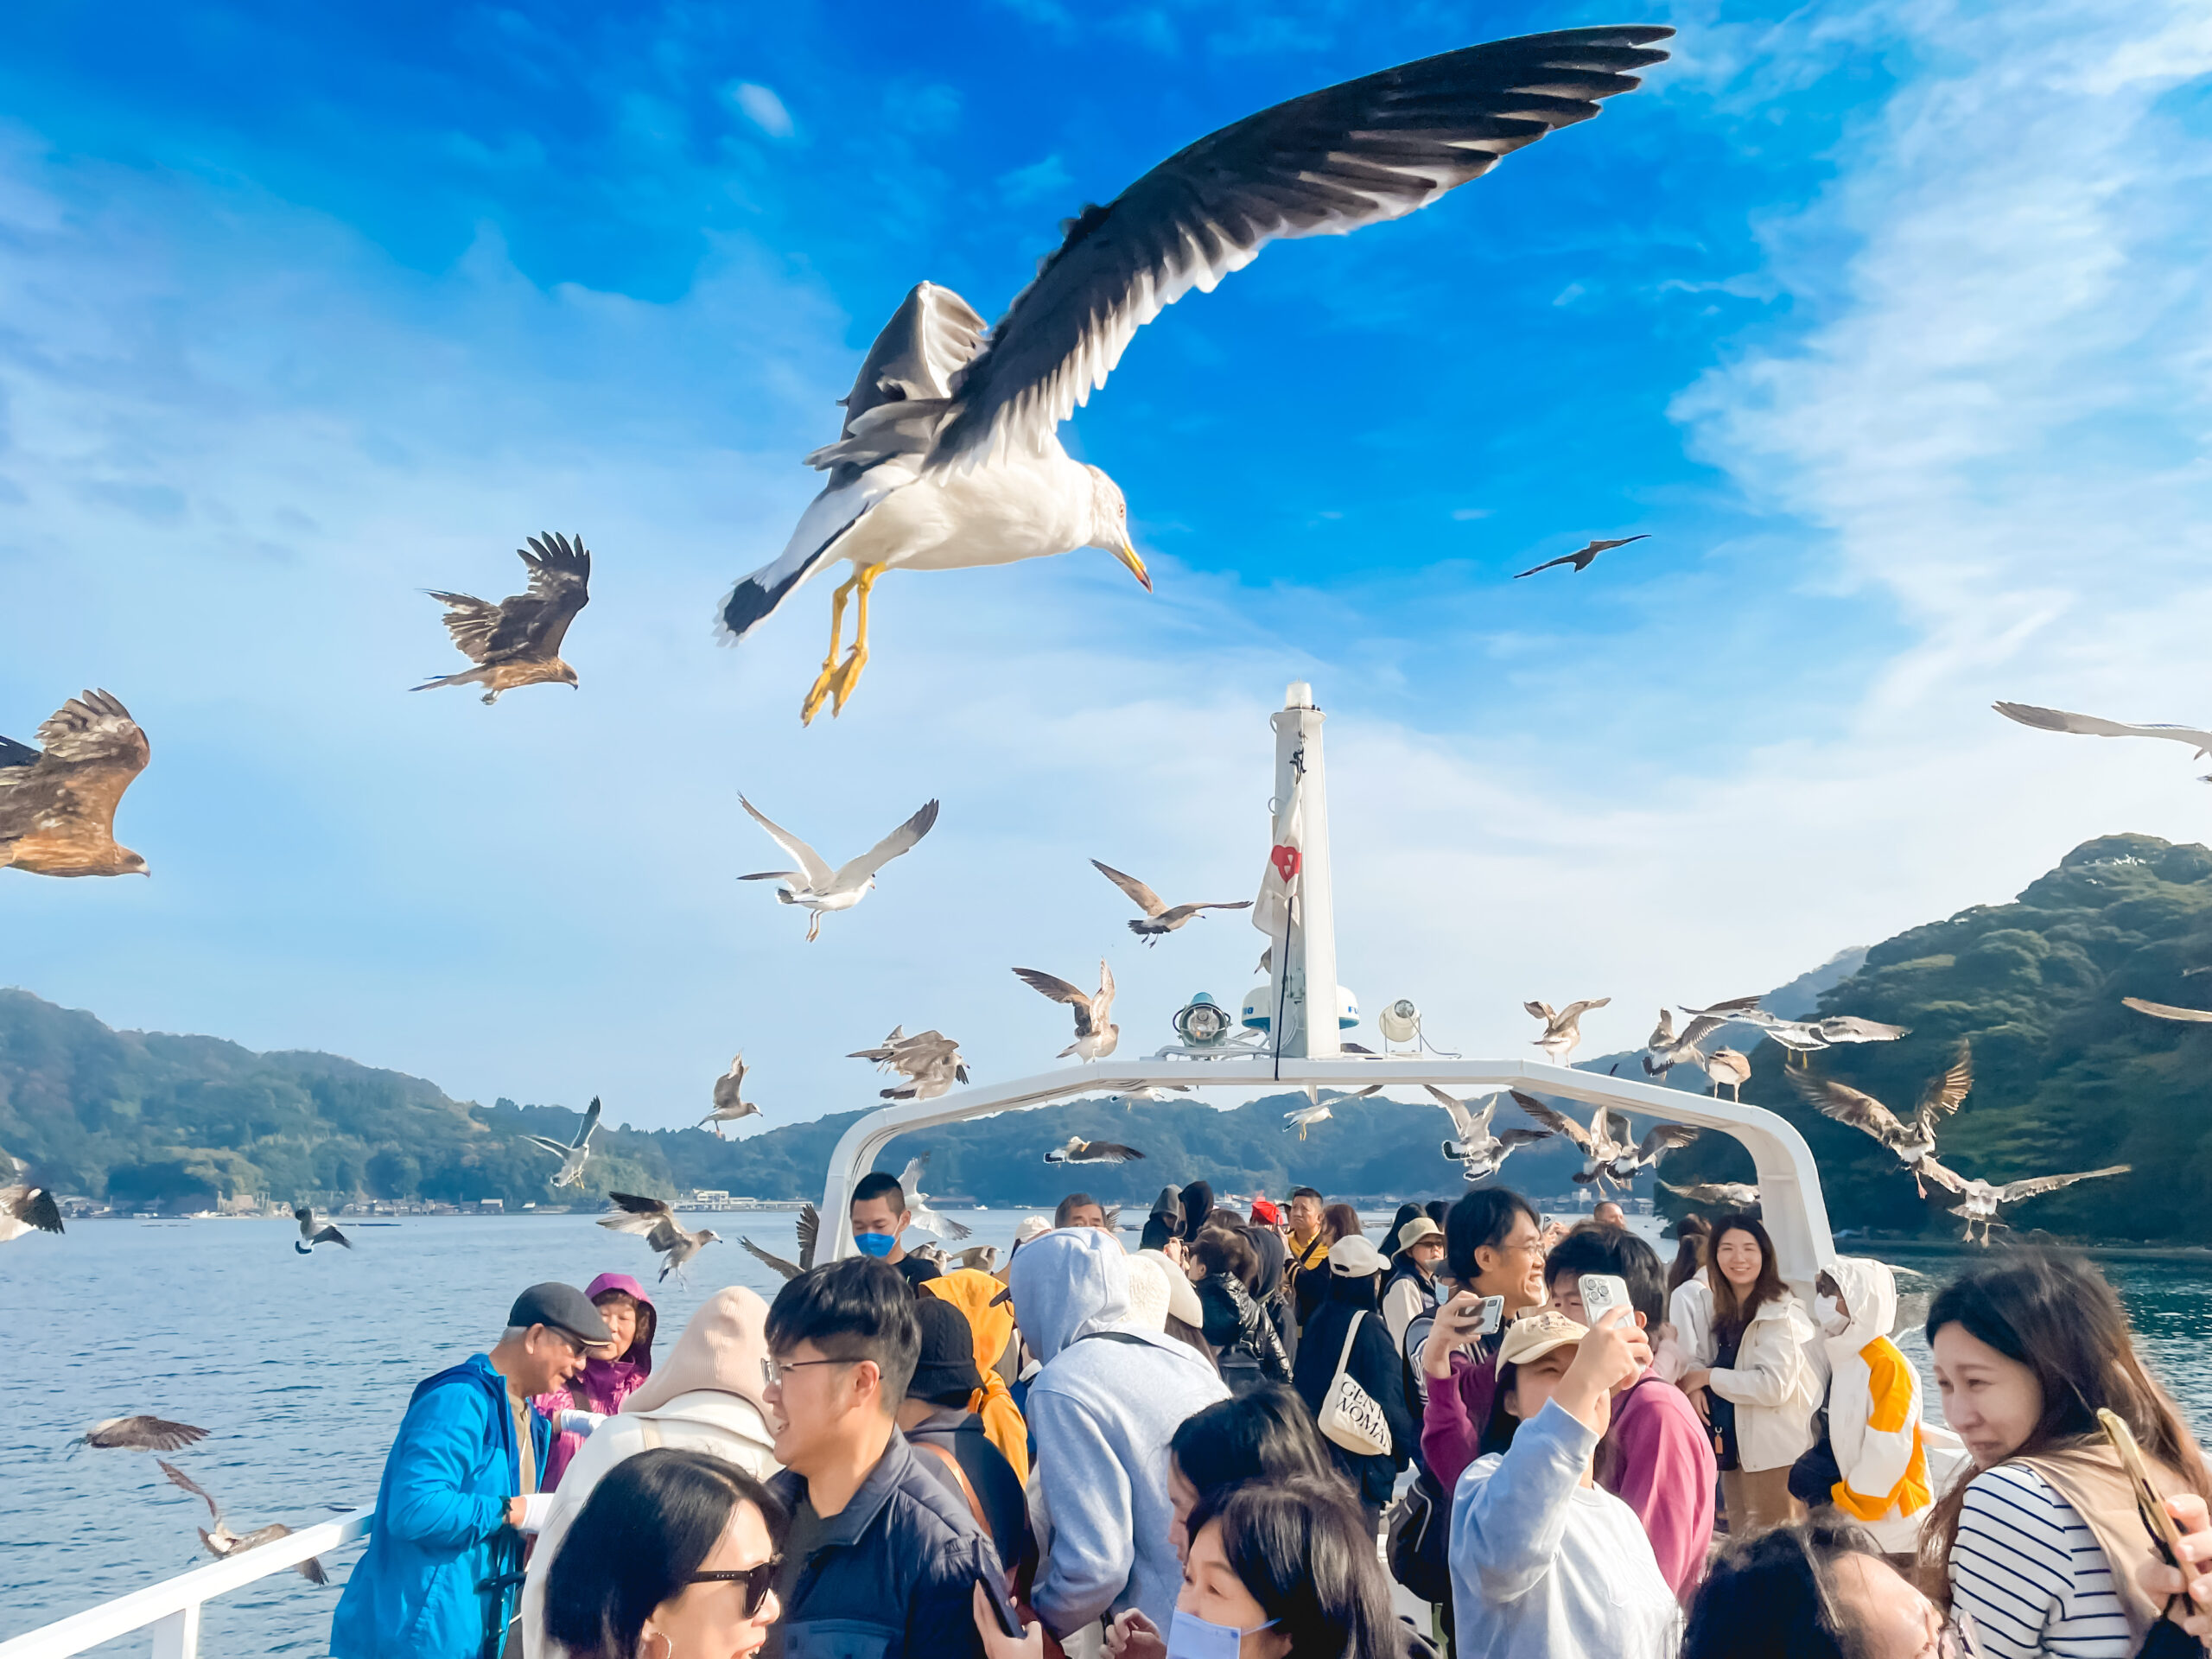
[300,1368]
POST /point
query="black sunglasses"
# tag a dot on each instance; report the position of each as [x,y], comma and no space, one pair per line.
[757,1580]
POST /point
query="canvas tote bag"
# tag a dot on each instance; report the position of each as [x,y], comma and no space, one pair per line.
[1351,1416]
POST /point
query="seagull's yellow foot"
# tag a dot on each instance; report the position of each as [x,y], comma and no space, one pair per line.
[848,673]
[814,927]
[826,681]
[823,683]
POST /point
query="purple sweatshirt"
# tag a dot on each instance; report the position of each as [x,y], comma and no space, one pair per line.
[1661,1466]
[1458,1412]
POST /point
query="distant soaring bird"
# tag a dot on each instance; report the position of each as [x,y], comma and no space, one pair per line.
[1914,1143]
[1737,1195]
[655,1222]
[25,1207]
[1563,1029]
[221,1541]
[313,1232]
[2057,719]
[1095,1035]
[1159,918]
[1480,1153]
[730,1104]
[1980,1200]
[57,807]
[141,1434]
[1581,557]
[818,887]
[910,1183]
[810,1234]
[1080,1151]
[518,641]
[949,456]
[574,1154]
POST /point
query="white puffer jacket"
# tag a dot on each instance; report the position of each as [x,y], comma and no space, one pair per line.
[1774,1385]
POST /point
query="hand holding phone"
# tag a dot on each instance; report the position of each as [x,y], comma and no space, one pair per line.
[994,1616]
[2149,1500]
[1600,1292]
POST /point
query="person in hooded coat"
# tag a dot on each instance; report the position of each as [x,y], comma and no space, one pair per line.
[937,1421]
[706,1397]
[1109,1398]
[604,1383]
[1351,1306]
[976,1295]
[1165,1223]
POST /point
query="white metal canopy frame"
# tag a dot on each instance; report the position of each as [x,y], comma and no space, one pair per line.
[1305,1053]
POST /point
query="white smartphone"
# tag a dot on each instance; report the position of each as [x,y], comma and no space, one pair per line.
[1601,1292]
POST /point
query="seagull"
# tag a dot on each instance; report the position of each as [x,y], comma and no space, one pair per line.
[1915,1142]
[730,1104]
[1980,1199]
[518,641]
[312,1234]
[1730,1069]
[1137,1092]
[1849,1028]
[57,801]
[810,1233]
[1658,1141]
[1159,916]
[221,1541]
[1307,1116]
[141,1433]
[1094,1037]
[574,1154]
[2057,719]
[1596,1143]
[979,1258]
[1666,1050]
[929,1061]
[949,455]
[820,888]
[910,1183]
[1737,1195]
[1582,557]
[1563,1029]
[655,1222]
[2159,1011]
[1080,1151]
[1480,1152]
[26,1208]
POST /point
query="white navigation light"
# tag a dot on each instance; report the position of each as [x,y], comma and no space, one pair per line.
[1202,1022]
[1401,1021]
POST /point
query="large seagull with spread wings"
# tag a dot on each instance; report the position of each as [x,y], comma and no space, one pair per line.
[949,455]
[57,801]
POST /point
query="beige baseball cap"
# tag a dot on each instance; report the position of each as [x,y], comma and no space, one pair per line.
[1534,1335]
[1353,1256]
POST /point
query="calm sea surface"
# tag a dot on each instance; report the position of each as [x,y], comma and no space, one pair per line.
[301,1365]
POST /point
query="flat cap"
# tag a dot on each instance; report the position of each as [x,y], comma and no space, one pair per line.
[562,1307]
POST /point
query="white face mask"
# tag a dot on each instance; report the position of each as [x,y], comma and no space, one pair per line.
[1189,1636]
[1833,1323]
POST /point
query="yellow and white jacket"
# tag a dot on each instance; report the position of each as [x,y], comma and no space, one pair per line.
[1893,1466]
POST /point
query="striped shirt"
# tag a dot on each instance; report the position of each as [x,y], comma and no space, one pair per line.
[2031,1574]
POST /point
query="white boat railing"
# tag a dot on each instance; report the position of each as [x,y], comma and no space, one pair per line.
[171,1607]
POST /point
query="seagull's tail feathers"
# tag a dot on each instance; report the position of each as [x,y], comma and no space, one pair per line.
[813,545]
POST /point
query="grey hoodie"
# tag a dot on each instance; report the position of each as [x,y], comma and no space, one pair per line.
[1103,1411]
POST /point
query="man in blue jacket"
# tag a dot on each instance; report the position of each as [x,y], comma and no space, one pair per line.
[457,1489]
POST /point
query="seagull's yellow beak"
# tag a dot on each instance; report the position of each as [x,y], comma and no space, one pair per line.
[1128,555]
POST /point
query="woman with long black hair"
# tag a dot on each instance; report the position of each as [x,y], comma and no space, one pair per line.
[1290,1567]
[2041,1547]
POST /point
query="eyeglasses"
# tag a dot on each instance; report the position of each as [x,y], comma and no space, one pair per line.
[757,1580]
[773,1369]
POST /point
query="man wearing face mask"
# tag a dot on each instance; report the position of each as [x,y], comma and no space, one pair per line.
[880,1215]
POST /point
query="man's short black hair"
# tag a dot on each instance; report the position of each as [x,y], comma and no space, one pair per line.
[1600,1246]
[1297,1192]
[879,1186]
[1480,1221]
[1070,1204]
[856,1308]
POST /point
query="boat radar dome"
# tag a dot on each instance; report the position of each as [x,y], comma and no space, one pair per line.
[1259,1007]
[1202,1022]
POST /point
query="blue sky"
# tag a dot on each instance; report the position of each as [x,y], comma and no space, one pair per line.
[1886,320]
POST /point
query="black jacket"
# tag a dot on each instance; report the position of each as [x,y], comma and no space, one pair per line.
[893,1573]
[1243,1337]
[1374,1365]
[961,1432]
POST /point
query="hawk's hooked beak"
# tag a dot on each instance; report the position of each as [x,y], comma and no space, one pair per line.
[1128,555]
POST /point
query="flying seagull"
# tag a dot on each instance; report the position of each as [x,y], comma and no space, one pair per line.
[810,1233]
[1307,1116]
[312,1233]
[1658,1141]
[653,1220]
[575,1154]
[1582,557]
[220,1541]
[1133,1093]
[2057,719]
[910,1183]
[730,1104]
[1665,1051]
[1849,1028]
[57,801]
[929,1061]
[1095,1036]
[1562,1029]
[1480,1153]
[518,641]
[1080,1151]
[25,1207]
[819,888]
[2167,1011]
[1596,1143]
[1980,1200]
[948,457]
[1737,1195]
[1159,916]
[1914,1143]
[141,1433]
[979,1258]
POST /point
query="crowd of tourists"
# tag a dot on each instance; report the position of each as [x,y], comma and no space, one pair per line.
[1263,1434]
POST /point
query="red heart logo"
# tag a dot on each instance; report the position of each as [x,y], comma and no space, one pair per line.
[1286,861]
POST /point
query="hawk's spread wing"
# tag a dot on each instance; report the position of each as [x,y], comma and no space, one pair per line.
[531,625]
[1143,897]
[92,750]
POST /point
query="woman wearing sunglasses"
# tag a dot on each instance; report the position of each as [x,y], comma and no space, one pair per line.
[672,1557]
